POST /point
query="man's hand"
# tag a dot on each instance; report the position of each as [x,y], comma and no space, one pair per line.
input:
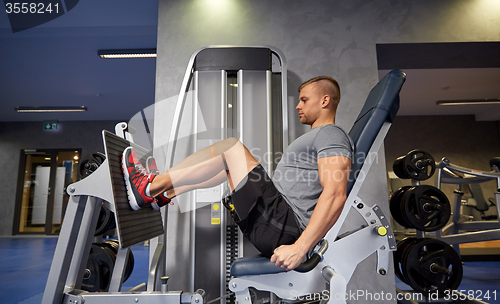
[288,257]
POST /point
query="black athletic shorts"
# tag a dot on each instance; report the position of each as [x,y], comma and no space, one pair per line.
[262,213]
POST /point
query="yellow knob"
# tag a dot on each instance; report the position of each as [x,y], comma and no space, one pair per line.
[381,230]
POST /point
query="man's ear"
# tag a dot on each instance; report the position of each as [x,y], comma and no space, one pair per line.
[325,101]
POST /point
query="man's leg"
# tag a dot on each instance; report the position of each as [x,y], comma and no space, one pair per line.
[228,160]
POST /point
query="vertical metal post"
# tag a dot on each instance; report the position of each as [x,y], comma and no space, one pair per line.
[64,250]
[119,270]
[223,222]
[269,113]
[83,243]
[192,243]
[239,101]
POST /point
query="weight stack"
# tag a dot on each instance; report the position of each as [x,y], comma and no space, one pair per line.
[232,252]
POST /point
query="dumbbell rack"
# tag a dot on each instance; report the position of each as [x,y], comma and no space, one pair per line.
[107,185]
[421,258]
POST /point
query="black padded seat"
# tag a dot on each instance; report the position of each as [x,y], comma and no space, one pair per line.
[381,105]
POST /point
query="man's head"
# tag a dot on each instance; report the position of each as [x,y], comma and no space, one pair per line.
[318,101]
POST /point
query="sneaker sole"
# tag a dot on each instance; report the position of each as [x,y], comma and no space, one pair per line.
[130,194]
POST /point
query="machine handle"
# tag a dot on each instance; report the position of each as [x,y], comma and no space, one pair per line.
[309,265]
[314,259]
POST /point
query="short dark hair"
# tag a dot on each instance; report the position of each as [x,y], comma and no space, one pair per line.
[329,85]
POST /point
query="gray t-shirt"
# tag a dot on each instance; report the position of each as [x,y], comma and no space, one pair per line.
[297,175]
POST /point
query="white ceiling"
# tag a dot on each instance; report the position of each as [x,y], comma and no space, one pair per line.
[56,64]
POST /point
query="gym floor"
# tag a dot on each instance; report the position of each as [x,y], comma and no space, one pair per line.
[25,264]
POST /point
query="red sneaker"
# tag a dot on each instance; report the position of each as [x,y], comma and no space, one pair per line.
[136,180]
[161,199]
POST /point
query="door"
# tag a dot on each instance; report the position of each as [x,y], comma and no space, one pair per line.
[41,194]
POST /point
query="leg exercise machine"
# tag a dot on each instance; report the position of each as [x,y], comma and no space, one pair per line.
[329,268]
[226,92]
[332,265]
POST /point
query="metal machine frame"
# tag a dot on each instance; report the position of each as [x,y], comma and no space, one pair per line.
[344,252]
[478,230]
[329,278]
[270,114]
[106,185]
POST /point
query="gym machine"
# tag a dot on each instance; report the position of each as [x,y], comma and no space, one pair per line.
[328,269]
[226,92]
[484,230]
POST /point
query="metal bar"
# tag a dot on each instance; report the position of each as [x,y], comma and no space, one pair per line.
[83,243]
[64,250]
[239,101]
[178,109]
[445,163]
[119,270]
[176,297]
[478,225]
[471,237]
[497,202]
[192,223]
[153,268]
[269,124]
[456,207]
[284,93]
[222,247]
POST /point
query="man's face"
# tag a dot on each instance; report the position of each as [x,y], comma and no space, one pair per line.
[309,106]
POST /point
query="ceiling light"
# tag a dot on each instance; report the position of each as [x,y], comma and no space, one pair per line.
[137,53]
[462,102]
[49,109]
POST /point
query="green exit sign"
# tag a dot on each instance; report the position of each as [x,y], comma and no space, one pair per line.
[50,125]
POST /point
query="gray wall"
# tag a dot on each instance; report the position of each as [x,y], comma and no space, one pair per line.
[466,142]
[85,135]
[335,37]
[463,140]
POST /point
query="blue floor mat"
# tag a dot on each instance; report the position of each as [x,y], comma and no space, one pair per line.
[25,265]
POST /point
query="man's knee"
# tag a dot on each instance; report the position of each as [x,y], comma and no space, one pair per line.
[227,144]
[231,141]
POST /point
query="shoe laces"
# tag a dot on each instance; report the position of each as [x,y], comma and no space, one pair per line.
[138,172]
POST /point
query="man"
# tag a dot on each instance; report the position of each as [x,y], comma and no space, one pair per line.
[285,217]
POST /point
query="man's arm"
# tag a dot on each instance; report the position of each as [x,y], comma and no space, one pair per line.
[333,176]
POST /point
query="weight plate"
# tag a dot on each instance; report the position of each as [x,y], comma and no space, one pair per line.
[88,166]
[425,208]
[103,221]
[398,167]
[431,265]
[99,157]
[417,164]
[395,205]
[398,256]
[99,269]
[114,245]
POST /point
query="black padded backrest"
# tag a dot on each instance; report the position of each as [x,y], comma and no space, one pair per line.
[381,105]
